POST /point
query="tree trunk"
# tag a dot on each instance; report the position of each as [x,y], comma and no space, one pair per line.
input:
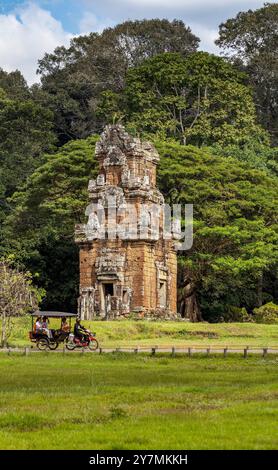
[192,311]
[260,291]
[189,307]
[3,331]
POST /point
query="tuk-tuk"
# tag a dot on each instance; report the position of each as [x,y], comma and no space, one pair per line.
[46,338]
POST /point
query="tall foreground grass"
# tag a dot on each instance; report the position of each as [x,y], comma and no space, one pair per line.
[51,401]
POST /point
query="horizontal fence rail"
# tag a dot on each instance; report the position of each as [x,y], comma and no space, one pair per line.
[153,350]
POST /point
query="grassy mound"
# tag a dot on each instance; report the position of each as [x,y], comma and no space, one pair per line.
[149,333]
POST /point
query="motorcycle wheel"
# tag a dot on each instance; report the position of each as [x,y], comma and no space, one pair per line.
[70,345]
[93,345]
[42,344]
[53,345]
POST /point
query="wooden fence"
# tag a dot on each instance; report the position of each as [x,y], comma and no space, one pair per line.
[153,350]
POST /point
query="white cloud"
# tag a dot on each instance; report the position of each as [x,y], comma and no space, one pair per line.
[26,34]
[91,23]
[207,37]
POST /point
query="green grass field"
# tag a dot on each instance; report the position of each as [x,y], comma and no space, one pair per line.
[121,401]
[150,333]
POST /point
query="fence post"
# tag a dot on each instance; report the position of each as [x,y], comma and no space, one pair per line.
[225,352]
[264,352]
[173,352]
[208,351]
[135,350]
[153,351]
[27,351]
[189,352]
[245,352]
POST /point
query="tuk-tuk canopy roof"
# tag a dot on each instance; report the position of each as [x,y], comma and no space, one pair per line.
[39,313]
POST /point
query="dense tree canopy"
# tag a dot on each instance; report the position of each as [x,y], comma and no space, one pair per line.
[41,226]
[14,85]
[235,223]
[73,78]
[25,134]
[252,40]
[201,99]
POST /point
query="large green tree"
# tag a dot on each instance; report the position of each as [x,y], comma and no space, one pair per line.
[73,78]
[251,39]
[200,99]
[234,253]
[257,155]
[14,85]
[25,134]
[40,229]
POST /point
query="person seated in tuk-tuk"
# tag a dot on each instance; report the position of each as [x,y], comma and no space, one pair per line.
[80,331]
[63,330]
[38,325]
[45,327]
[64,325]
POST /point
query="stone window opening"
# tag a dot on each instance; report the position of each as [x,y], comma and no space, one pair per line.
[125,296]
[162,293]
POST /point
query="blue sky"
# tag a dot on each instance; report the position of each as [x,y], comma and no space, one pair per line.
[29,28]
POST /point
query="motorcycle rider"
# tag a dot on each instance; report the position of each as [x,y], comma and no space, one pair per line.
[80,331]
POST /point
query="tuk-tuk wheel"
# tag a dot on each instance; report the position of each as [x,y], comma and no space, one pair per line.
[53,345]
[42,344]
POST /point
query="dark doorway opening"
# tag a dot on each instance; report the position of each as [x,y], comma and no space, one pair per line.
[108,289]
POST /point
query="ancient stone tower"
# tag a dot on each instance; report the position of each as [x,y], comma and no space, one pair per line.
[126,264]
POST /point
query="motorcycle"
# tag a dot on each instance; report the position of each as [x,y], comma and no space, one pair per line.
[88,341]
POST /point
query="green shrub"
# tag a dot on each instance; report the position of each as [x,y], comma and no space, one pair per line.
[267,313]
[236,314]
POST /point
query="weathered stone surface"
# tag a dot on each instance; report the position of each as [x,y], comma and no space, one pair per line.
[116,143]
[121,277]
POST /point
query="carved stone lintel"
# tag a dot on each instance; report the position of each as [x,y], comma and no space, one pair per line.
[114,156]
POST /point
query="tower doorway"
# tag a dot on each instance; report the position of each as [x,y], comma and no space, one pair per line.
[106,291]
